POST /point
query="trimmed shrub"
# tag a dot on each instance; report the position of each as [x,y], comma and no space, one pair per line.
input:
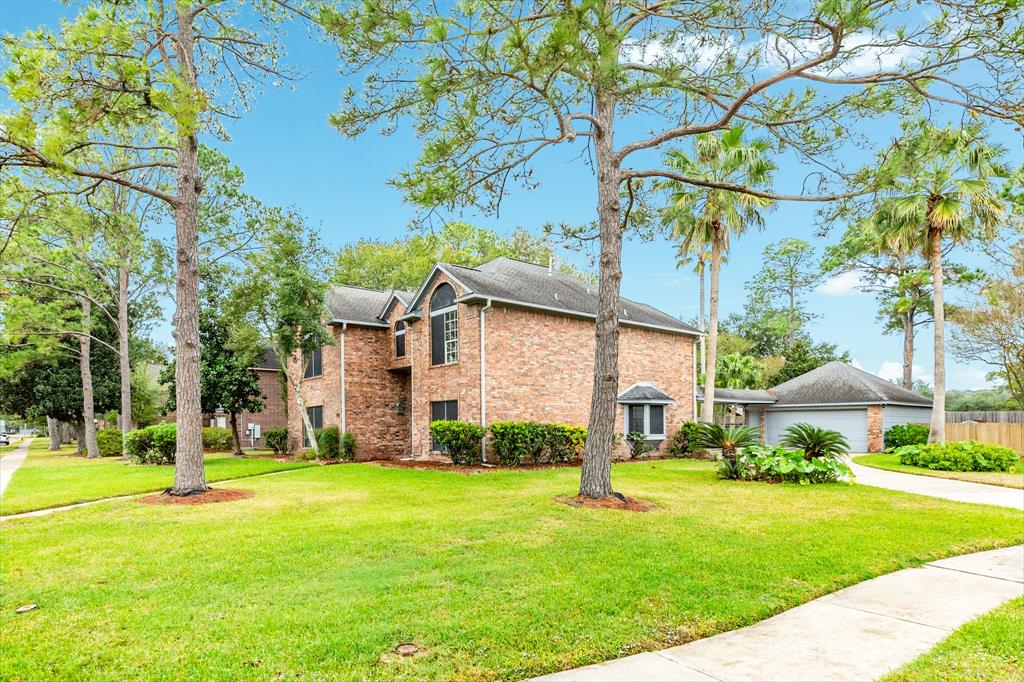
[905,434]
[276,440]
[139,443]
[514,442]
[109,442]
[156,444]
[686,441]
[966,455]
[459,440]
[564,442]
[638,444]
[217,438]
[328,440]
[348,446]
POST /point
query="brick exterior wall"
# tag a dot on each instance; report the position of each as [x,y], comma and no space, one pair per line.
[539,366]
[875,428]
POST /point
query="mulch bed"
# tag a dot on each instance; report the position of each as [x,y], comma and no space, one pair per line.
[624,504]
[211,496]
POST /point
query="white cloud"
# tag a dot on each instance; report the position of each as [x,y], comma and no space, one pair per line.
[701,52]
[843,284]
[969,378]
[891,370]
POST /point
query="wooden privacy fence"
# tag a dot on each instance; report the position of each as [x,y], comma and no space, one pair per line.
[1010,435]
[1003,417]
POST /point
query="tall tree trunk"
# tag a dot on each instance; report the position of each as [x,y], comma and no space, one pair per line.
[80,435]
[938,425]
[124,359]
[297,387]
[703,352]
[596,471]
[53,430]
[92,449]
[189,476]
[908,349]
[234,434]
[707,413]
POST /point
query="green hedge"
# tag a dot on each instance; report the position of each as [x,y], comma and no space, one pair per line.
[155,444]
[348,446]
[109,442]
[277,440]
[460,440]
[905,434]
[516,442]
[966,455]
[217,438]
[328,442]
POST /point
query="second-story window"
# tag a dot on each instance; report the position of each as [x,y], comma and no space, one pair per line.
[400,339]
[314,364]
[444,326]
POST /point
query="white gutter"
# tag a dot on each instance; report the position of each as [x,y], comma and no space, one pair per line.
[341,370]
[483,379]
[361,323]
[826,406]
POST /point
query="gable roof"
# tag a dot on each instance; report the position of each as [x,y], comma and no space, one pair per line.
[395,296]
[356,305]
[839,383]
[515,282]
[643,392]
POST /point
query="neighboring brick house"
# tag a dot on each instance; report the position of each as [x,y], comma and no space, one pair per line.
[507,340]
[274,414]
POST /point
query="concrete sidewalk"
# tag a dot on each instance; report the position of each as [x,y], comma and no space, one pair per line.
[946,488]
[10,462]
[859,633]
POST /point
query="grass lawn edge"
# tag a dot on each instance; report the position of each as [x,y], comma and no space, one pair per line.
[871,460]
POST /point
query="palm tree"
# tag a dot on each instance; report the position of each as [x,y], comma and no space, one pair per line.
[705,218]
[939,184]
[700,263]
[739,371]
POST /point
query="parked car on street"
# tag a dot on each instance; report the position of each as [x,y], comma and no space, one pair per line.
[4,440]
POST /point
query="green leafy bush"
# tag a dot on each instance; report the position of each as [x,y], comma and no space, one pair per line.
[726,438]
[966,455]
[686,441]
[459,440]
[217,438]
[348,446]
[905,434]
[277,440]
[638,444]
[156,444]
[515,442]
[563,443]
[328,441]
[109,442]
[815,441]
[776,463]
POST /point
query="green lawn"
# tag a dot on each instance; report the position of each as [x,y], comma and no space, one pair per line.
[1009,479]
[325,570]
[52,479]
[989,649]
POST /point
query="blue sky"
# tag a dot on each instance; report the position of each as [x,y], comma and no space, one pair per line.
[291,156]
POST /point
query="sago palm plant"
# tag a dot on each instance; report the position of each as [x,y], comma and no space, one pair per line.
[727,438]
[815,441]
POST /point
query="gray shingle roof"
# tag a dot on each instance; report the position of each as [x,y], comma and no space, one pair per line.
[353,304]
[739,396]
[534,285]
[838,382]
[643,392]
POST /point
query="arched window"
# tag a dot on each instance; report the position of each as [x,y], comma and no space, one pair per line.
[444,326]
[400,339]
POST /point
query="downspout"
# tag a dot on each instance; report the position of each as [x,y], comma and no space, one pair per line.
[694,354]
[341,376]
[483,379]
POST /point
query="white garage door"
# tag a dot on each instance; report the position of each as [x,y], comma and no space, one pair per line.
[851,423]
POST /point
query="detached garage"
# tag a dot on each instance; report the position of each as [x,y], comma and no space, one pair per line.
[837,396]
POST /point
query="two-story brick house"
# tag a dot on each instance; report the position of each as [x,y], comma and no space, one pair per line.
[507,340]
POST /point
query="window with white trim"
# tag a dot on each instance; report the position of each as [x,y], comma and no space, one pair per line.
[444,326]
[646,418]
[400,339]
